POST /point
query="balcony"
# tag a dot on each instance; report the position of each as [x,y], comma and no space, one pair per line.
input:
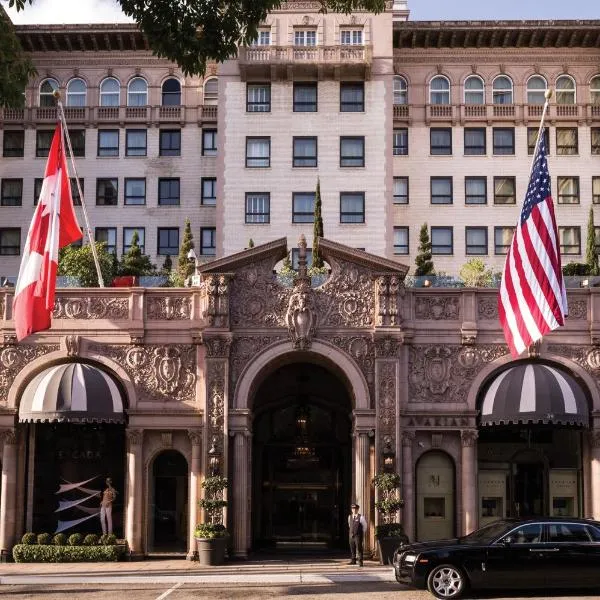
[402,112]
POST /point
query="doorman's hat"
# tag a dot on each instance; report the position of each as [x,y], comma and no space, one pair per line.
[354,506]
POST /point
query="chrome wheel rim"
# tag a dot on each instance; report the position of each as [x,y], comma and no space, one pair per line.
[447,582]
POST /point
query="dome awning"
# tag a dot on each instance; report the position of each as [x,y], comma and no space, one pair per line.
[72,393]
[534,393]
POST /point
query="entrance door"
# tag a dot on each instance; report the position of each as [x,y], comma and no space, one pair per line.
[529,489]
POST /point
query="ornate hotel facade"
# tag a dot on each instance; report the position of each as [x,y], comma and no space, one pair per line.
[301,393]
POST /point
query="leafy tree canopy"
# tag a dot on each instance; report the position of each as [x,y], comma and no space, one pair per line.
[78,262]
[134,262]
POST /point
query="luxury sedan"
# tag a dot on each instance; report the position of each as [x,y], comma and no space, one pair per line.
[543,552]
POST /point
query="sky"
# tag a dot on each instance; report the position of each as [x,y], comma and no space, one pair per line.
[108,11]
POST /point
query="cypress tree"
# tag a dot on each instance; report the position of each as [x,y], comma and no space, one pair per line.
[185,266]
[423,259]
[134,262]
[317,260]
[591,255]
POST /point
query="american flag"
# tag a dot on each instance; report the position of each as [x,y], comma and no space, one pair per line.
[532,299]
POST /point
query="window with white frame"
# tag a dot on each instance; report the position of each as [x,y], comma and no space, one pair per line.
[263,38]
[47,89]
[137,92]
[400,190]
[439,90]
[400,90]
[110,92]
[211,91]
[570,240]
[76,92]
[536,90]
[568,190]
[474,90]
[565,90]
[258,152]
[258,207]
[351,37]
[400,240]
[171,92]
[502,90]
[595,90]
[305,37]
[258,97]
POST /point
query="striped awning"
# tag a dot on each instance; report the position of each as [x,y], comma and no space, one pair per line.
[534,393]
[72,393]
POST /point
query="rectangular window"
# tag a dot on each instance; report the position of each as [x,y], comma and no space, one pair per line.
[168,240]
[532,133]
[352,152]
[107,191]
[170,142]
[209,191]
[108,142]
[108,235]
[209,142]
[476,242]
[12,192]
[442,240]
[568,190]
[596,190]
[400,190]
[441,190]
[352,97]
[135,142]
[566,140]
[303,207]
[304,152]
[168,191]
[352,207]
[258,152]
[504,190]
[77,137]
[43,140]
[13,143]
[502,239]
[263,38]
[135,191]
[128,236]
[258,97]
[74,190]
[258,207]
[400,240]
[504,140]
[475,143]
[351,37]
[595,135]
[208,241]
[305,97]
[10,241]
[305,37]
[401,141]
[570,240]
[440,141]
[37,189]
[475,190]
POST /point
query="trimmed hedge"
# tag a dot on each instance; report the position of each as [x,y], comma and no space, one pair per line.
[23,553]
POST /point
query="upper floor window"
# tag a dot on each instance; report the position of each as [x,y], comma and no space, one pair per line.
[400,90]
[305,97]
[503,140]
[566,140]
[169,142]
[47,88]
[400,240]
[352,97]
[258,207]
[209,142]
[352,151]
[596,190]
[401,141]
[258,97]
[76,92]
[137,92]
[570,240]
[258,151]
[168,191]
[536,90]
[208,241]
[474,90]
[110,92]
[171,92]
[502,90]
[439,90]
[128,233]
[263,38]
[595,135]
[595,90]
[568,190]
[211,91]
[440,140]
[565,90]
[442,240]
[532,134]
[303,207]
[352,207]
[10,241]
[305,37]
[108,236]
[12,192]
[14,142]
[351,37]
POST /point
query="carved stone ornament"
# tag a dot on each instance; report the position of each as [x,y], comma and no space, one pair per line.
[217,346]
[435,421]
[468,437]
[195,436]
[215,388]
[215,300]
[8,436]
[300,317]
[387,347]
[594,437]
[134,436]
[168,308]
[387,396]
[362,350]
[243,349]
[72,345]
[578,310]
[593,359]
[166,439]
[437,307]
[390,290]
[91,308]
[408,438]
[2,307]
[487,308]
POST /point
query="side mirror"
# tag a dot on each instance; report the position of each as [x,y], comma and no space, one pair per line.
[507,541]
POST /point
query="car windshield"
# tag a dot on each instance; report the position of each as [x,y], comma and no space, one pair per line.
[488,533]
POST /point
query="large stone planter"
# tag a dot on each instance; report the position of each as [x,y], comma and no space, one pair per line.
[211,551]
[387,547]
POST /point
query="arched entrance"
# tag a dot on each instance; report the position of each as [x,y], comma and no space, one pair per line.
[168,502]
[302,461]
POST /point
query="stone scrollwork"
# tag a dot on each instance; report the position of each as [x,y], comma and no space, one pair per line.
[8,436]
[91,308]
[168,308]
[217,346]
[387,347]
[195,436]
[587,357]
[386,386]
[300,317]
[361,349]
[390,289]
[215,409]
[578,309]
[134,436]
[487,308]
[437,307]
[468,437]
[243,349]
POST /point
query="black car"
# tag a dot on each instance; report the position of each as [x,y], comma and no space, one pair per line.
[543,552]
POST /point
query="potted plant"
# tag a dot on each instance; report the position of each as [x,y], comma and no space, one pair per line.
[389,532]
[211,535]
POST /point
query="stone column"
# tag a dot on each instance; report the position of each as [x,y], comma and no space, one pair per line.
[195,436]
[408,512]
[134,490]
[595,473]
[8,498]
[361,477]
[241,501]
[469,480]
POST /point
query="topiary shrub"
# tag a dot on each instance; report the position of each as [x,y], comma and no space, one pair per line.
[91,539]
[108,539]
[43,539]
[75,539]
[23,553]
[60,539]
[29,539]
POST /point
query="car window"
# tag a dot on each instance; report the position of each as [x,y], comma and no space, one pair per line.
[594,533]
[526,534]
[567,532]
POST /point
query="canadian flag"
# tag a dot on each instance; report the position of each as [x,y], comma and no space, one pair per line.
[54,225]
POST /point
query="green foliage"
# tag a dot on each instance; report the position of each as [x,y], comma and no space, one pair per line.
[91,539]
[388,499]
[591,254]
[576,269]
[250,243]
[386,482]
[44,538]
[317,259]
[423,258]
[212,485]
[390,530]
[210,530]
[26,554]
[75,539]
[108,539]
[60,539]
[213,504]
[79,262]
[29,539]
[474,274]
[185,266]
[167,265]
[134,263]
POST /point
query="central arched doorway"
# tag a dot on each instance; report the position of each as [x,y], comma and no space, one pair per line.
[302,460]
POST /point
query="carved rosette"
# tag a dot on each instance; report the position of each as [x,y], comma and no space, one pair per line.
[487,308]
[91,308]
[438,308]
[468,438]
[134,437]
[168,308]
[578,310]
[387,347]
[586,356]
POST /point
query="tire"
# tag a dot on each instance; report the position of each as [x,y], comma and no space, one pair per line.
[447,581]
[398,578]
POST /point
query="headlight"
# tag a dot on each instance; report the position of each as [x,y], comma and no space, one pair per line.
[410,558]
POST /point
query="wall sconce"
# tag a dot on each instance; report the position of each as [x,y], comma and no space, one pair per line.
[213,459]
[389,456]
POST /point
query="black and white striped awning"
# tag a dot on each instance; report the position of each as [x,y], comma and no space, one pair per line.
[72,393]
[534,393]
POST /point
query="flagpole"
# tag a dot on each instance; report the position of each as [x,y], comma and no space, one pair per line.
[61,113]
[547,96]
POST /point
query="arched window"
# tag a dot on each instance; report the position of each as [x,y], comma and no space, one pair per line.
[502,90]
[110,92]
[565,90]
[47,88]
[76,92]
[137,92]
[439,90]
[400,90]
[536,89]
[211,91]
[474,90]
[595,90]
[171,92]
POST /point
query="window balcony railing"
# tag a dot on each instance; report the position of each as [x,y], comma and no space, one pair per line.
[401,111]
[305,54]
[593,111]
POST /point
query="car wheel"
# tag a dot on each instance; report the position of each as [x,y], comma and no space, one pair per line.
[447,581]
[398,578]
